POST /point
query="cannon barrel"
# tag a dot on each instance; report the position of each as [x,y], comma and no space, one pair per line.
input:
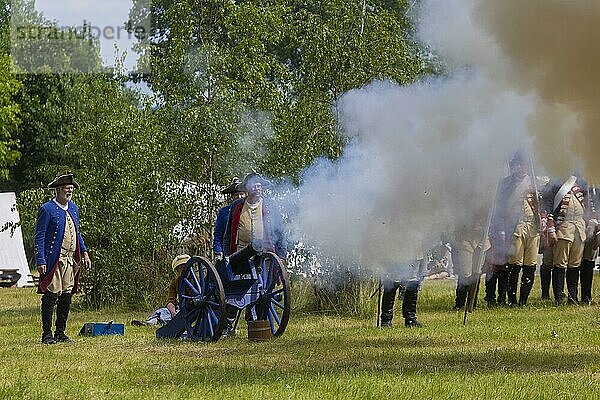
[239,260]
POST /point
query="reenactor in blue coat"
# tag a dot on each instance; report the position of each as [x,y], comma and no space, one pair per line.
[232,193]
[59,250]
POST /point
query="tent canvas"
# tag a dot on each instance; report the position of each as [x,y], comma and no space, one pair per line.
[12,251]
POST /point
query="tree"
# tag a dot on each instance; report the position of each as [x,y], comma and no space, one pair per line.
[49,72]
[9,109]
[9,121]
[236,85]
[290,59]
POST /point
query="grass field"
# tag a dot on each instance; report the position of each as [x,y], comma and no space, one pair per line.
[502,353]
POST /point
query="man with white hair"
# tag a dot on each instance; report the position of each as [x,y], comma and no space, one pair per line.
[59,250]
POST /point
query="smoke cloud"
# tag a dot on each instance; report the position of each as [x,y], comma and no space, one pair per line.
[550,48]
[426,158]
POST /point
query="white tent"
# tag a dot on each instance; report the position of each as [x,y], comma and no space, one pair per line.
[12,251]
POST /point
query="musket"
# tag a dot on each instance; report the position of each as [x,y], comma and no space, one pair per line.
[476,268]
[378,293]
[536,203]
[593,215]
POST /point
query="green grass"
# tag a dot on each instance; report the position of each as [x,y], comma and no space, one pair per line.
[502,353]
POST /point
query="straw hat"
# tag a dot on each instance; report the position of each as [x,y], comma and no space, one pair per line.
[179,261]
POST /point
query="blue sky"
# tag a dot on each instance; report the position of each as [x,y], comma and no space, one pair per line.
[105,14]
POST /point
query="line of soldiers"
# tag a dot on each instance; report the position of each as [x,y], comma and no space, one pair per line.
[559,222]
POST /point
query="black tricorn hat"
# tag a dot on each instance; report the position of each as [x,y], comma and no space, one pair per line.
[231,188]
[63,180]
[253,178]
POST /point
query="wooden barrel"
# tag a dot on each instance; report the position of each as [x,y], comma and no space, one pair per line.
[259,331]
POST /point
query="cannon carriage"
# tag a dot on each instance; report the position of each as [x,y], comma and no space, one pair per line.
[250,281]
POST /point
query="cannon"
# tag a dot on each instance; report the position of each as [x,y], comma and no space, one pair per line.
[249,280]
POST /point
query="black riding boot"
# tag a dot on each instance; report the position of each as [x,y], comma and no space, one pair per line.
[48,302]
[586,275]
[409,308]
[572,284]
[62,314]
[462,289]
[387,306]
[491,279]
[558,284]
[513,281]
[502,285]
[545,278]
[526,284]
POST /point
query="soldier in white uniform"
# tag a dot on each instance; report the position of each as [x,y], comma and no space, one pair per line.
[566,202]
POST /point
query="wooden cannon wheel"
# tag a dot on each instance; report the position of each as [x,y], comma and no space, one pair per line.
[202,300]
[275,302]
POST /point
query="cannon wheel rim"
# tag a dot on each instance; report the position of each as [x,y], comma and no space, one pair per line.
[199,320]
[278,311]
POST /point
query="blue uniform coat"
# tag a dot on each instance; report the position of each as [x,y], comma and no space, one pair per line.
[49,234]
[220,226]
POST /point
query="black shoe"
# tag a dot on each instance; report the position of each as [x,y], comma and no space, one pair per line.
[412,323]
[228,332]
[61,337]
[387,324]
[47,338]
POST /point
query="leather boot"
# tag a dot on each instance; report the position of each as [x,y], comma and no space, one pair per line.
[62,314]
[387,306]
[572,285]
[409,308]
[586,275]
[545,278]
[462,289]
[491,279]
[49,300]
[558,284]
[526,284]
[513,281]
[502,285]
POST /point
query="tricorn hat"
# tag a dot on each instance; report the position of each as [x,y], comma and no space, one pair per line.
[252,178]
[63,180]
[179,261]
[232,187]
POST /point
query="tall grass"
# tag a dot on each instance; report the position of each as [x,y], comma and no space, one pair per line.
[346,295]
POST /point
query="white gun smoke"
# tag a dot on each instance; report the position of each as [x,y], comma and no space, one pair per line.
[426,158]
